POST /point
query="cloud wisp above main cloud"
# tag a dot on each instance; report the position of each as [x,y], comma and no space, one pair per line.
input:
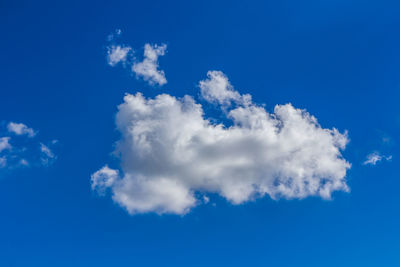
[147,69]
[171,155]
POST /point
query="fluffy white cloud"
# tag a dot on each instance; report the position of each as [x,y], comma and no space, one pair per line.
[117,53]
[171,154]
[4,143]
[148,68]
[20,129]
[375,157]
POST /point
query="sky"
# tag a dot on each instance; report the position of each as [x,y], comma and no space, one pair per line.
[199,133]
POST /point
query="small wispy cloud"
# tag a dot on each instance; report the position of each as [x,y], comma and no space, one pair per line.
[47,155]
[147,69]
[20,129]
[24,151]
[114,35]
[117,54]
[3,162]
[375,157]
[4,143]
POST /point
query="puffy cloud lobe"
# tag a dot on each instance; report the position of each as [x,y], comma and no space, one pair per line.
[218,89]
[170,152]
[374,158]
[117,53]
[148,68]
[103,178]
[20,129]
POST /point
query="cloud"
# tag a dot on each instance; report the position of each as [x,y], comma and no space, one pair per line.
[217,89]
[24,162]
[103,178]
[375,157]
[47,155]
[171,154]
[3,162]
[24,151]
[20,129]
[114,35]
[4,143]
[148,68]
[117,53]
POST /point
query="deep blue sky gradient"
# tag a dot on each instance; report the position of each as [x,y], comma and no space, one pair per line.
[338,60]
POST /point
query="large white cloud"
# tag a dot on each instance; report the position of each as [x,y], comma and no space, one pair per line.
[171,155]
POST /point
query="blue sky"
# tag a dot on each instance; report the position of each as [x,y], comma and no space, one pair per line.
[340,61]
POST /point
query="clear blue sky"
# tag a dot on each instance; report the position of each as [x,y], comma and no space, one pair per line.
[339,60]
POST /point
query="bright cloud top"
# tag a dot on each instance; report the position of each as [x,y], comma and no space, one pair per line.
[375,157]
[148,68]
[172,156]
[20,129]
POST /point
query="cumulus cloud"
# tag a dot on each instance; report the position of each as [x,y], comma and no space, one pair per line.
[20,129]
[4,143]
[171,154]
[148,68]
[375,157]
[117,54]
